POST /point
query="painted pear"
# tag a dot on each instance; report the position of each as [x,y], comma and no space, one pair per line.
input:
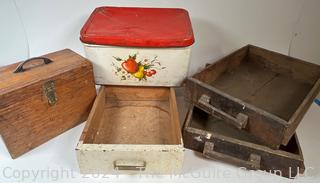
[139,74]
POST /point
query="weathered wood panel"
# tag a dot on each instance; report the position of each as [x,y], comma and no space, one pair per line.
[274,91]
[27,119]
[217,140]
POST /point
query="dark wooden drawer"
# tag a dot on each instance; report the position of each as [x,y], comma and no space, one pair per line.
[260,91]
[217,140]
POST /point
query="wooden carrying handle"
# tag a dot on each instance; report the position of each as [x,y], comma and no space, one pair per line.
[252,163]
[240,121]
[20,66]
[136,165]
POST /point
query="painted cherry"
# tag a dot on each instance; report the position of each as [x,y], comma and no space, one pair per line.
[149,74]
[153,72]
[130,65]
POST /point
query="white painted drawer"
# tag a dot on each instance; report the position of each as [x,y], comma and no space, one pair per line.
[132,130]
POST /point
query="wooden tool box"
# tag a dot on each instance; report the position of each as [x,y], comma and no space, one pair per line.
[42,97]
[258,91]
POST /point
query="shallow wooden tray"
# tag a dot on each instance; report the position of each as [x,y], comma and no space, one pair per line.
[217,140]
[132,130]
[260,91]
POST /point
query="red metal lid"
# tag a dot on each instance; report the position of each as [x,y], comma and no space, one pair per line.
[138,27]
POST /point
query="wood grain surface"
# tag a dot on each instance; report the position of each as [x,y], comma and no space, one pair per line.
[26,118]
[237,147]
[133,115]
[272,89]
[135,125]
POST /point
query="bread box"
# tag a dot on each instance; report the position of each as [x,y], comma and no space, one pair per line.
[138,46]
[217,140]
[132,130]
[259,91]
[42,97]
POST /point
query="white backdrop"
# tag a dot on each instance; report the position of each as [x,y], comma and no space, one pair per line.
[220,26]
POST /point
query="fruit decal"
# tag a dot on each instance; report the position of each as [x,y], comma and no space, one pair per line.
[130,65]
[132,69]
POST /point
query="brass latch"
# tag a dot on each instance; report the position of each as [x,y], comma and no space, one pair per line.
[50,92]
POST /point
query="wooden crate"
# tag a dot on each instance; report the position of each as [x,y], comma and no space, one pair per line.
[42,97]
[217,140]
[260,91]
[132,130]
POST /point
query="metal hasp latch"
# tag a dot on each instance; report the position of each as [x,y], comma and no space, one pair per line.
[50,92]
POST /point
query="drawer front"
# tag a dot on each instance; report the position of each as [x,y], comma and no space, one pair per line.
[236,113]
[130,160]
[138,66]
[243,154]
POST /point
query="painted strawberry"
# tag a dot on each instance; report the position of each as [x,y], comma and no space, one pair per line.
[130,65]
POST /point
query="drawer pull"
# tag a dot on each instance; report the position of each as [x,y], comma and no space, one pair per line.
[252,163]
[129,165]
[240,121]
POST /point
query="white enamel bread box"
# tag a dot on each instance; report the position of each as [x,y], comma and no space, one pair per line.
[138,46]
[132,130]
